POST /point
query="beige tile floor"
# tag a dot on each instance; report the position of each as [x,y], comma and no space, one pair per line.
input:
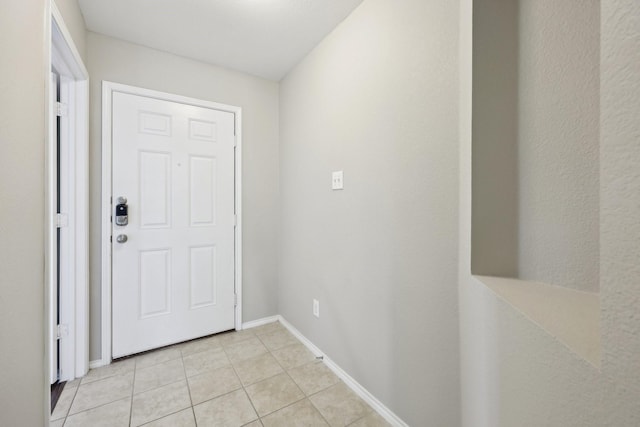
[258,377]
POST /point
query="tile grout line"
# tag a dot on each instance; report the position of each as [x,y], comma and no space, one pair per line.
[292,380]
[69,414]
[115,374]
[262,338]
[240,380]
[305,394]
[150,352]
[66,414]
[308,396]
[369,412]
[186,379]
[134,358]
[92,408]
[133,386]
[319,391]
[269,352]
[165,385]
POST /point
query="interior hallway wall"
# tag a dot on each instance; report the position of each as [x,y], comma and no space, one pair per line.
[558,142]
[378,99]
[22,144]
[536,89]
[23,128]
[513,372]
[121,62]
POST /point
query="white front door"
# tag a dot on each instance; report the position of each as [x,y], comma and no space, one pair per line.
[173,277]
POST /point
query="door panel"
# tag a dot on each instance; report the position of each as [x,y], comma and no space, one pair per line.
[202,276]
[154,283]
[173,278]
[155,189]
[202,184]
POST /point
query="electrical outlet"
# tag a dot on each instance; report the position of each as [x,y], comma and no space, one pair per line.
[316,308]
[337,180]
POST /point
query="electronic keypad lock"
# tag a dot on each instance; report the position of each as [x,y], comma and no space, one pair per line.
[122,211]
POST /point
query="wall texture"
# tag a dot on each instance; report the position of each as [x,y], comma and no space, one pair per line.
[378,99]
[22,138]
[513,373]
[535,141]
[620,209]
[122,62]
[23,73]
[558,135]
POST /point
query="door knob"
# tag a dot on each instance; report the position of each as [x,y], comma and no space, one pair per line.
[122,238]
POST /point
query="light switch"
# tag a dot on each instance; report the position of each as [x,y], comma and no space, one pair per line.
[336,180]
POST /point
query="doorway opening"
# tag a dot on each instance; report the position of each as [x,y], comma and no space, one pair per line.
[66,212]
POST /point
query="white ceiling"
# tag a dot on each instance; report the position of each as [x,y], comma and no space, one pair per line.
[265,38]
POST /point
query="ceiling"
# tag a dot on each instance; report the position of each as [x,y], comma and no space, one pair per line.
[265,38]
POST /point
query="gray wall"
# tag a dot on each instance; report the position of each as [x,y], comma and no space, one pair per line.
[24,69]
[535,140]
[495,134]
[121,62]
[620,209]
[514,373]
[558,132]
[22,136]
[378,99]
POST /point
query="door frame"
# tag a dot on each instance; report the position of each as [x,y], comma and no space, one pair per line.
[64,57]
[108,88]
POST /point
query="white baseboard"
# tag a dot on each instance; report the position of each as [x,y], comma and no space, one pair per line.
[311,346]
[260,322]
[358,389]
[362,392]
[93,364]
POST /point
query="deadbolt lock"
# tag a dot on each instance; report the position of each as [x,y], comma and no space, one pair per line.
[122,212]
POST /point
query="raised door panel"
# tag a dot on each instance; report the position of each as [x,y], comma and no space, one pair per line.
[202,130]
[154,123]
[203,276]
[202,183]
[154,284]
[155,189]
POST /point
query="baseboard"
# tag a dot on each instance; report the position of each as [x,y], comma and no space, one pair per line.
[93,364]
[358,389]
[362,392]
[311,346]
[260,322]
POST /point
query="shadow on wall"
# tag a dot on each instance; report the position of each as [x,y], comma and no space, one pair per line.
[535,147]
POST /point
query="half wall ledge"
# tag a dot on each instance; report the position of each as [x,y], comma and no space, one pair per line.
[571,316]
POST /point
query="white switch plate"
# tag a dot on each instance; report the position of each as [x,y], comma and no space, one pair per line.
[337,180]
[316,308]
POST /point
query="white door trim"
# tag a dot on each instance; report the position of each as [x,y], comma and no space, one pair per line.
[51,266]
[74,297]
[107,91]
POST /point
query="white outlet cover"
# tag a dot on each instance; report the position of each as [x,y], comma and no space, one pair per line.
[337,180]
[316,308]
